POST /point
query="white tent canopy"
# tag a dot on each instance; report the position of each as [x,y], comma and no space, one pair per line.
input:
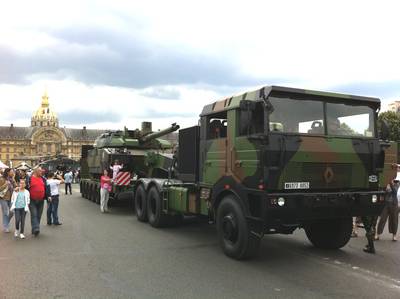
[2,165]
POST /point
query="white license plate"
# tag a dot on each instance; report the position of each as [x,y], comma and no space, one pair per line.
[297,185]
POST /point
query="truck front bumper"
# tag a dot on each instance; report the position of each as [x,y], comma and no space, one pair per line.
[289,210]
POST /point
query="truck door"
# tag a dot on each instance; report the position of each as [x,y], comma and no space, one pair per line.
[246,152]
[214,147]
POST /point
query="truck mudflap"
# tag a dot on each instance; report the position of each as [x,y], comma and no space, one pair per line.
[300,207]
[256,226]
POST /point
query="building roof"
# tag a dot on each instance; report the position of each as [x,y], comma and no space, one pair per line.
[82,134]
[12,132]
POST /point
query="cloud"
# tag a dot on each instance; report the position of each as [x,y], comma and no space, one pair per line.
[162,92]
[19,114]
[108,57]
[385,89]
[87,117]
[156,114]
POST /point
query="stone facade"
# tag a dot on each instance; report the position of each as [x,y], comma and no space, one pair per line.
[43,139]
[394,106]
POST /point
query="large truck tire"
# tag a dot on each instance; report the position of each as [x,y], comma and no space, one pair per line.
[234,233]
[329,233]
[155,214]
[141,204]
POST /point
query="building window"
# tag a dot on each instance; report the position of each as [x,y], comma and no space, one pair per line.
[49,148]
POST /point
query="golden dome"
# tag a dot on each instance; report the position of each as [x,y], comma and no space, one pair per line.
[44,116]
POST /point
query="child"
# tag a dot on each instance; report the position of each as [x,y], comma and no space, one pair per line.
[20,205]
[116,168]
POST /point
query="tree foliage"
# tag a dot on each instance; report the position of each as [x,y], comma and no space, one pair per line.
[393,121]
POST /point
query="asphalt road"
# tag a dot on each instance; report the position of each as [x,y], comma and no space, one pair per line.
[94,255]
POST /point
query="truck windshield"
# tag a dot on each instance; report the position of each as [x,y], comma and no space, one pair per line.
[307,117]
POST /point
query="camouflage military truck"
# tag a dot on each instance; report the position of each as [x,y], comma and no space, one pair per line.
[141,152]
[274,160]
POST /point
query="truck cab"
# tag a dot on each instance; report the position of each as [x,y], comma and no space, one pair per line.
[292,158]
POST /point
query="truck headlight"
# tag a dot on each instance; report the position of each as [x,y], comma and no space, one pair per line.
[374,198]
[281,201]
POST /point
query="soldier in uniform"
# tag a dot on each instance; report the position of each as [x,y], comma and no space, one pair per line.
[369,226]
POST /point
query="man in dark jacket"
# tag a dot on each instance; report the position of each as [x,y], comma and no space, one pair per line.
[39,192]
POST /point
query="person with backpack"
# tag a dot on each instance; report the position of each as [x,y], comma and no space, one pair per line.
[39,192]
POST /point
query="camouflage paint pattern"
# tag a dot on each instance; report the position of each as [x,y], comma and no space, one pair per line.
[327,163]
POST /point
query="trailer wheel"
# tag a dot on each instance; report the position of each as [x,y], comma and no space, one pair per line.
[234,233]
[330,233]
[92,193]
[86,190]
[97,192]
[141,204]
[83,189]
[155,214]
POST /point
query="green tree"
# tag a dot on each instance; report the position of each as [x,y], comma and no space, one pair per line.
[393,121]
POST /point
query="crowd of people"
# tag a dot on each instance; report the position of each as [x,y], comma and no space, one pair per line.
[23,192]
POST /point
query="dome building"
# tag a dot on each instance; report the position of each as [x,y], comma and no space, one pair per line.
[43,139]
[44,116]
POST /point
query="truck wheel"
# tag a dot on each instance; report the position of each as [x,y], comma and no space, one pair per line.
[233,231]
[155,214]
[330,233]
[140,204]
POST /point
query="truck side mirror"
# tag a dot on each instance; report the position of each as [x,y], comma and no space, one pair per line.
[384,131]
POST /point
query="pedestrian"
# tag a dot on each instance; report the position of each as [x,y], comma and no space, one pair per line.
[7,185]
[68,182]
[52,205]
[105,188]
[39,192]
[20,205]
[391,210]
[21,175]
[116,168]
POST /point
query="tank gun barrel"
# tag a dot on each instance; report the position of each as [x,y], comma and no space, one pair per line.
[155,135]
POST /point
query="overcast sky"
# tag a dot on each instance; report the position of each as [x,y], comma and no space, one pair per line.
[107,64]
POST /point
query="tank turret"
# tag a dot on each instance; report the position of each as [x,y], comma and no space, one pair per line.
[135,139]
